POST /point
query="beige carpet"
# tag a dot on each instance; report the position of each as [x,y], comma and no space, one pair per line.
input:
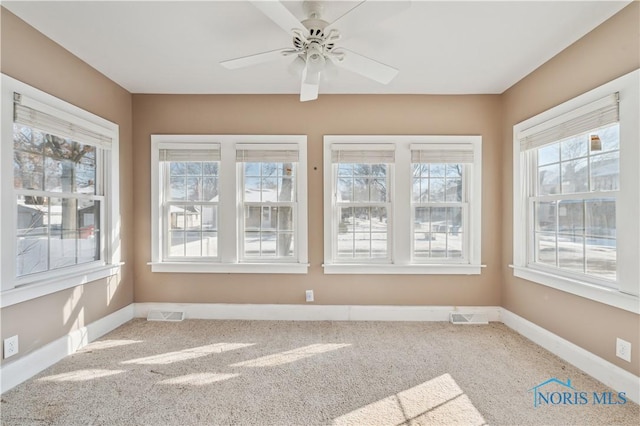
[307,373]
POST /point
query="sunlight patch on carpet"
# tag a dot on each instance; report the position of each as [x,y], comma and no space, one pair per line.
[291,356]
[198,379]
[437,401]
[187,354]
[81,375]
[108,344]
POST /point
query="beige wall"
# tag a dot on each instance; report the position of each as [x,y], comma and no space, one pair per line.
[611,50]
[330,114]
[30,57]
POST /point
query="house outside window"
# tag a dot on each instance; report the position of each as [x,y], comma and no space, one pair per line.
[574,202]
[59,193]
[440,201]
[229,203]
[267,180]
[64,226]
[402,204]
[190,201]
[575,170]
[362,201]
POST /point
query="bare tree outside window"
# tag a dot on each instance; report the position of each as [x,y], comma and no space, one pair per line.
[269,202]
[438,202]
[191,207]
[58,208]
[285,214]
[574,233]
[363,205]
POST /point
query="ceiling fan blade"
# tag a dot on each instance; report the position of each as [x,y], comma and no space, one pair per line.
[278,14]
[367,67]
[360,17]
[258,58]
[310,85]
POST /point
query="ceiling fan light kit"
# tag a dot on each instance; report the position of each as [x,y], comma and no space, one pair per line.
[314,42]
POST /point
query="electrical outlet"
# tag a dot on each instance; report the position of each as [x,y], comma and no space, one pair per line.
[10,346]
[623,349]
[309,295]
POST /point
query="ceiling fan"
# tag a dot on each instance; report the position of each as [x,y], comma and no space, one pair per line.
[314,42]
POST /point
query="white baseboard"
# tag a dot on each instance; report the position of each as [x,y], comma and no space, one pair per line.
[224,311]
[14,373]
[610,374]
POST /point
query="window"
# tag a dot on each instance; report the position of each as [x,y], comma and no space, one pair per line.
[58,194]
[402,204]
[63,225]
[576,190]
[574,202]
[229,204]
[440,201]
[190,201]
[362,202]
[268,201]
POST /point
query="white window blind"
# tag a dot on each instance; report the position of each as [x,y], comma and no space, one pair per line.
[442,153]
[261,153]
[359,153]
[591,116]
[31,117]
[209,154]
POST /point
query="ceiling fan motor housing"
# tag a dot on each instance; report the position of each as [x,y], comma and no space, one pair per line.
[316,46]
[315,29]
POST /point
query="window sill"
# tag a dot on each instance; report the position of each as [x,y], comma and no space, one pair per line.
[608,296]
[230,268]
[415,269]
[61,282]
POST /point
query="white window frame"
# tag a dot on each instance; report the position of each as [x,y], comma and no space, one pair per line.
[388,204]
[446,153]
[626,289]
[230,217]
[264,150]
[166,205]
[401,226]
[17,290]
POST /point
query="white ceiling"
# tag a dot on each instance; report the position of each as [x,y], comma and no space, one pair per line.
[446,47]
